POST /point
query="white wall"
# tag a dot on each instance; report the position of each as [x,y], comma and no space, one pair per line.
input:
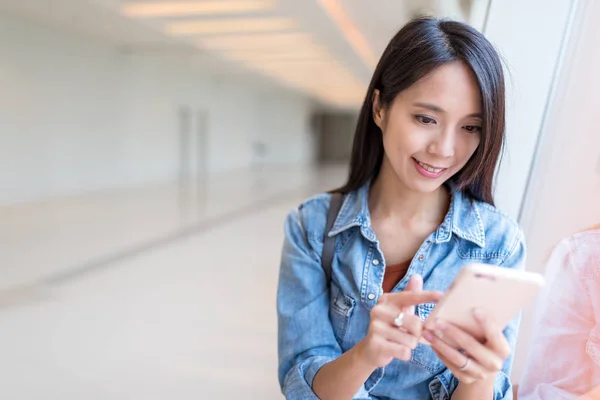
[564,196]
[531,37]
[79,115]
[528,34]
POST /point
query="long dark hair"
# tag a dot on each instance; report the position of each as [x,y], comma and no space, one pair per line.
[420,47]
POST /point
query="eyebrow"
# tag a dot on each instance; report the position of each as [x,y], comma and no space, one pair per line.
[438,109]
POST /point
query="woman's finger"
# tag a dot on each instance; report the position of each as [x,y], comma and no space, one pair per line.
[495,339]
[415,285]
[462,377]
[402,337]
[388,314]
[413,325]
[460,364]
[399,351]
[461,340]
[401,300]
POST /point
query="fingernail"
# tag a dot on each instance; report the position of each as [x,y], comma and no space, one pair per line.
[441,325]
[428,336]
[438,333]
[478,314]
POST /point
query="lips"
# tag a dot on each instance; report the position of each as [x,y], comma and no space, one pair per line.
[429,171]
[430,168]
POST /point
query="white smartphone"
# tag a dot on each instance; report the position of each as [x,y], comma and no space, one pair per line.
[500,292]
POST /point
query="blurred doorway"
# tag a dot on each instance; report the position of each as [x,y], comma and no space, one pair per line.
[193,155]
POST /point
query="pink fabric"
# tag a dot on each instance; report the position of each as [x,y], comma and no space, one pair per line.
[564,362]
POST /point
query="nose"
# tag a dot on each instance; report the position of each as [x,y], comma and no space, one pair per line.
[442,145]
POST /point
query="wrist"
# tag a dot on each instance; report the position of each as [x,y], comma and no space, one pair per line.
[483,382]
[359,355]
[479,389]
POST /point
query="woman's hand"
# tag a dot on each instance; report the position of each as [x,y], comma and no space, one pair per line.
[468,359]
[394,330]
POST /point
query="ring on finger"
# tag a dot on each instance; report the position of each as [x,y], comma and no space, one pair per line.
[466,365]
[399,320]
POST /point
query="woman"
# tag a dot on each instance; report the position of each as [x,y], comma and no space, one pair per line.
[564,362]
[417,208]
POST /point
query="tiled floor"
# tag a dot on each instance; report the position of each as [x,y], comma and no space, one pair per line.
[193,318]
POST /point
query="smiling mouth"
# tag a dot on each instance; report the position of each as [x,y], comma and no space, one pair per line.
[430,168]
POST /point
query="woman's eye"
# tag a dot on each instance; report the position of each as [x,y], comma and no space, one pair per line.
[425,120]
[472,128]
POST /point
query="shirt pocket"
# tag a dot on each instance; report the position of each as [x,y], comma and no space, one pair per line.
[340,311]
[423,356]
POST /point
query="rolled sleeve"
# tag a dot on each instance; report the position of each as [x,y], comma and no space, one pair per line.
[306,340]
[298,382]
[443,385]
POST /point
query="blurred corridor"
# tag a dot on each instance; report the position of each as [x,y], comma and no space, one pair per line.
[150,151]
[190,317]
[73,234]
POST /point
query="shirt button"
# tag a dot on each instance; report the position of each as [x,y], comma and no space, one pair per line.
[375,262]
[421,258]
[371,296]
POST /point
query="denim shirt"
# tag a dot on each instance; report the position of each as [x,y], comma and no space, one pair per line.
[318,322]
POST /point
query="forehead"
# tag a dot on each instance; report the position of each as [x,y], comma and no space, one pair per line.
[452,87]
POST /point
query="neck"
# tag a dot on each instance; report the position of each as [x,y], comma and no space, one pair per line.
[389,198]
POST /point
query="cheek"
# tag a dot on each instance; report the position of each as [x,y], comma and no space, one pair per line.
[404,139]
[467,147]
[393,141]
[399,128]
[399,149]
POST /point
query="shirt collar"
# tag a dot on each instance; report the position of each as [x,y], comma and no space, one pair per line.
[463,217]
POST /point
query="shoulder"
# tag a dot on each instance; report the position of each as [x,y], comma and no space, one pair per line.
[317,204]
[580,253]
[501,231]
[497,222]
[310,216]
[587,240]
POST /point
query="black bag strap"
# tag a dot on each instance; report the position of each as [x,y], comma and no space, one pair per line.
[335,203]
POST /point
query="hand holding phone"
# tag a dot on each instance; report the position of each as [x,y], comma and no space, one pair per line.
[466,328]
[498,291]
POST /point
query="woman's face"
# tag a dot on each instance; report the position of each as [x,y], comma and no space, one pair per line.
[431,129]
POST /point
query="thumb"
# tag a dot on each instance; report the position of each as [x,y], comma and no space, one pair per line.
[415,285]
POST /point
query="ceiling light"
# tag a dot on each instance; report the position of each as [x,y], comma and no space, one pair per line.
[178,9]
[292,54]
[270,41]
[234,25]
[352,34]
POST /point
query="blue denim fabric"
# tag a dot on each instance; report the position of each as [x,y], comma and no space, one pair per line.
[319,322]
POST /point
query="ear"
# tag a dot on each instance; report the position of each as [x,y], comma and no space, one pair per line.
[378,110]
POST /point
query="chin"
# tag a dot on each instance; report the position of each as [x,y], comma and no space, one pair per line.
[417,185]
[430,187]
[423,185]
